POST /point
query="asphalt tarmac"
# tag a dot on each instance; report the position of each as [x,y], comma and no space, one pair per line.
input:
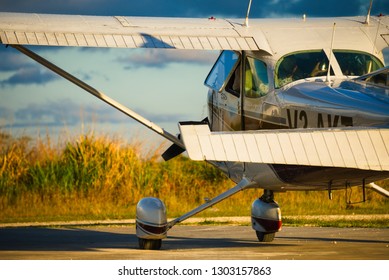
[193,242]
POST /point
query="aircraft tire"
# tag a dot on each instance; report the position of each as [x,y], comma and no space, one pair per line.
[264,236]
[150,244]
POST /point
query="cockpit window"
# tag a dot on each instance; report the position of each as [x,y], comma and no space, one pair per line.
[256,80]
[356,63]
[222,68]
[301,65]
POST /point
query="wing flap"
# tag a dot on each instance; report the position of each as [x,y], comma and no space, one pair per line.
[122,32]
[362,148]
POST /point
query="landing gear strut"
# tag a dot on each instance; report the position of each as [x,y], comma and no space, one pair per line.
[266,217]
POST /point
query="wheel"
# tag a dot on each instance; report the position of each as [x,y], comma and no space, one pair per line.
[265,237]
[150,244]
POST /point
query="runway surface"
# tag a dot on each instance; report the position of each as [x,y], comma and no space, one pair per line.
[194,242]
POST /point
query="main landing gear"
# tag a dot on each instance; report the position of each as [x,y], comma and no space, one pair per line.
[152,225]
[266,217]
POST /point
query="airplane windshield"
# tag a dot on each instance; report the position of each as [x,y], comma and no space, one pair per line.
[222,68]
[301,65]
[356,63]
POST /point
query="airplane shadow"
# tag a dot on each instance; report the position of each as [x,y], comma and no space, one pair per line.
[61,239]
[178,242]
[76,239]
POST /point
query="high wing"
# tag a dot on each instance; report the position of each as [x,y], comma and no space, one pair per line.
[273,36]
[124,32]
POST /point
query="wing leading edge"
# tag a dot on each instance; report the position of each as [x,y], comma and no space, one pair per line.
[124,32]
[361,148]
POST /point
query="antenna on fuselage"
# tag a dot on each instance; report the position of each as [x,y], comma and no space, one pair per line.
[246,21]
[367,20]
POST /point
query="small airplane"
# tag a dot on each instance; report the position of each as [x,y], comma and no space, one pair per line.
[294,104]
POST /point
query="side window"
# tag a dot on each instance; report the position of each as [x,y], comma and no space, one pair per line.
[355,63]
[221,70]
[255,79]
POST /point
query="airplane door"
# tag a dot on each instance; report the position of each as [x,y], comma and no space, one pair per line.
[231,118]
[230,102]
[260,109]
[224,80]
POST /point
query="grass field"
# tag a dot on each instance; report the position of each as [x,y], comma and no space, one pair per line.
[101,178]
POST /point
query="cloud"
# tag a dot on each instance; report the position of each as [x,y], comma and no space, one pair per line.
[23,70]
[11,61]
[66,111]
[197,8]
[188,8]
[48,6]
[29,75]
[160,58]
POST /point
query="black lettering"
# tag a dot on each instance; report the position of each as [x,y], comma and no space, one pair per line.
[296,116]
[346,121]
[320,122]
[336,120]
[303,115]
[289,118]
[335,123]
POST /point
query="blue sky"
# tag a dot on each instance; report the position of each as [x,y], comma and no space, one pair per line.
[166,86]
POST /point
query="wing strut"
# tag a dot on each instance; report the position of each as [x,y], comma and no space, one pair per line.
[242,185]
[99,95]
[379,190]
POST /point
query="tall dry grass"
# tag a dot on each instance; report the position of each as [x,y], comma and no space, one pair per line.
[98,177]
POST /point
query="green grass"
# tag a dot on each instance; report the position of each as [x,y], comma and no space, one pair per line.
[340,221]
[101,178]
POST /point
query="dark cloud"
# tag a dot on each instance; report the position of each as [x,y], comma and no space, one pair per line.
[188,8]
[30,74]
[24,70]
[58,113]
[197,8]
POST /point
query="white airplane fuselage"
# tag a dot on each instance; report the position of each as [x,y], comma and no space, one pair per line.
[259,100]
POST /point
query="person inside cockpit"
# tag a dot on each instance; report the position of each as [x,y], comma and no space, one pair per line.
[288,71]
